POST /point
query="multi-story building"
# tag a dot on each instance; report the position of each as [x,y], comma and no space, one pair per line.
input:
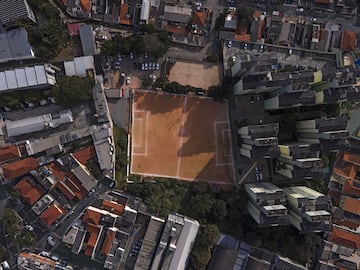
[259,141]
[176,242]
[266,204]
[329,133]
[303,97]
[28,260]
[308,209]
[299,162]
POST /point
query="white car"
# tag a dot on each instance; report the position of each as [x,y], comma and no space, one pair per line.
[229,44]
[128,80]
[157,66]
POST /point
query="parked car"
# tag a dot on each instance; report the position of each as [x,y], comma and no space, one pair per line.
[128,80]
[157,66]
[131,55]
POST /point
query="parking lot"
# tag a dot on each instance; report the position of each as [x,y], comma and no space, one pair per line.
[127,71]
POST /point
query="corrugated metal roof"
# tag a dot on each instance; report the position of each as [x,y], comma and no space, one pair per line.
[87,39]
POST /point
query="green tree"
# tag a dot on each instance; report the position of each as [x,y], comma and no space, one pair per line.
[70,91]
[244,13]
[3,253]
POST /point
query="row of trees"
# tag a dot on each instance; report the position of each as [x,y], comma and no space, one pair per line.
[50,37]
[154,42]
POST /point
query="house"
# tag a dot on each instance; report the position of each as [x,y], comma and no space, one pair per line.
[12,11]
[125,16]
[176,17]
[11,171]
[52,213]
[28,191]
[348,41]
[81,8]
[344,238]
[9,153]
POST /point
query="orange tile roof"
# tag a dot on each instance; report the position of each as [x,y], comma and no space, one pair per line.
[351,189]
[36,257]
[30,193]
[8,153]
[123,18]
[94,234]
[91,216]
[343,168]
[73,28]
[112,207]
[19,168]
[175,29]
[353,158]
[52,213]
[199,18]
[65,190]
[79,194]
[241,33]
[348,40]
[110,235]
[85,5]
[344,238]
[350,205]
[242,37]
[85,154]
[56,170]
[348,223]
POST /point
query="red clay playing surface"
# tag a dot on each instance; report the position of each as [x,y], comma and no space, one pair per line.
[183,137]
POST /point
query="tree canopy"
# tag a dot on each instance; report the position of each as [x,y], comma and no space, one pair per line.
[70,91]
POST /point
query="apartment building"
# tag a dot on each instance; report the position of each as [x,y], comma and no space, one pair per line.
[267,204]
[329,133]
[259,141]
[299,162]
[308,209]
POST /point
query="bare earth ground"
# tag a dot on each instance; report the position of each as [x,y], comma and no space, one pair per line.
[201,75]
[183,137]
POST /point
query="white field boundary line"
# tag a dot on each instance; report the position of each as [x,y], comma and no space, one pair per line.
[180,95]
[181,137]
[180,178]
[217,151]
[226,153]
[145,152]
[141,125]
[231,144]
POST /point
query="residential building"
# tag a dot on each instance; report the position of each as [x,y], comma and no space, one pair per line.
[29,191]
[344,237]
[42,204]
[13,170]
[230,253]
[81,8]
[299,162]
[329,133]
[176,242]
[149,244]
[334,256]
[294,99]
[308,209]
[266,204]
[145,11]
[14,45]
[9,153]
[12,11]
[87,39]
[37,123]
[337,94]
[52,213]
[39,77]
[259,141]
[176,17]
[35,260]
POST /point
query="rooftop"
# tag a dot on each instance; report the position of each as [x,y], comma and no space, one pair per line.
[350,205]
[52,213]
[9,153]
[19,168]
[348,41]
[344,238]
[30,193]
[113,207]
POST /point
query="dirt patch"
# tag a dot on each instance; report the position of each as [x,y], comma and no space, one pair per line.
[179,136]
[201,75]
